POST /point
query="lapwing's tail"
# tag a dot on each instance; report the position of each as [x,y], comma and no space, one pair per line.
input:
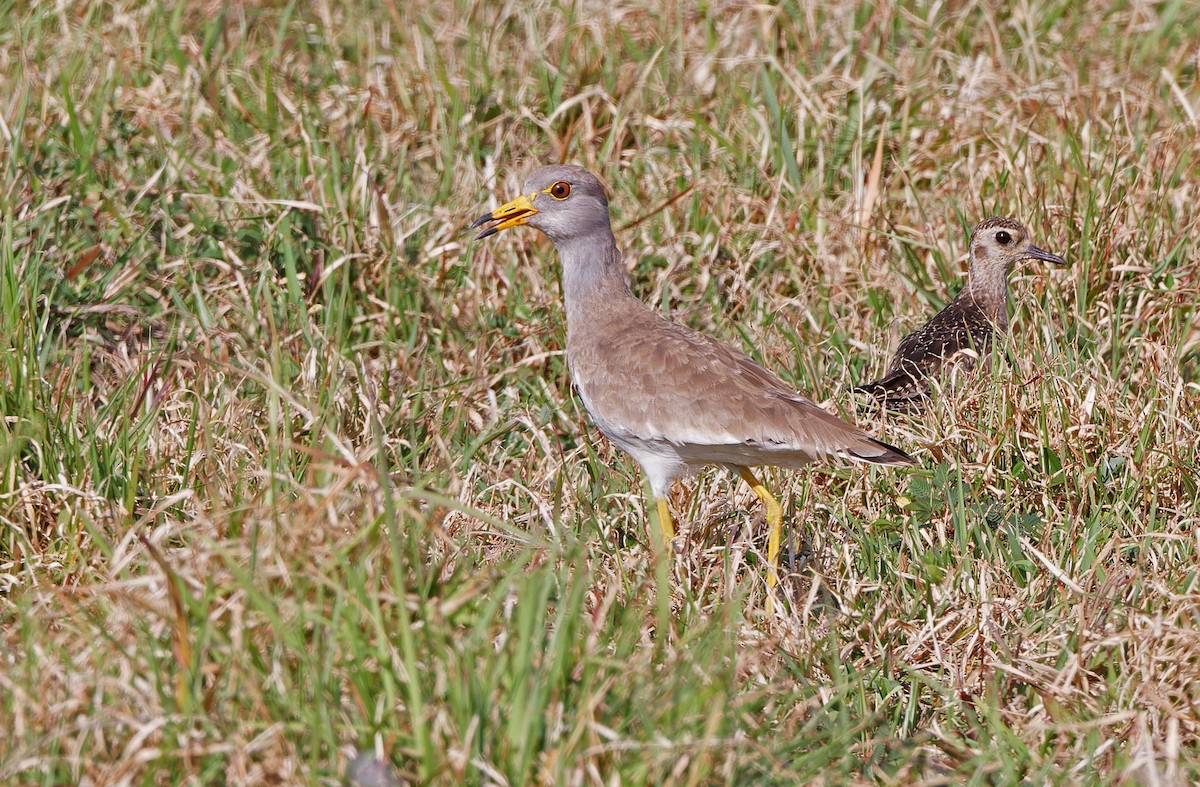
[884,455]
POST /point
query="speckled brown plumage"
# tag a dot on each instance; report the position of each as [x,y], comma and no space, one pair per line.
[673,398]
[961,334]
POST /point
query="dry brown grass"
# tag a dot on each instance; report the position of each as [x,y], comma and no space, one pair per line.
[290,469]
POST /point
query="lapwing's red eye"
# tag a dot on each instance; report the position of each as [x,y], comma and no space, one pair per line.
[560,190]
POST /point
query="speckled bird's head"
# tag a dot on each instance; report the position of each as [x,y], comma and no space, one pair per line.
[1001,242]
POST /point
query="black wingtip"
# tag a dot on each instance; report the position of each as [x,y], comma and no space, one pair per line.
[892,455]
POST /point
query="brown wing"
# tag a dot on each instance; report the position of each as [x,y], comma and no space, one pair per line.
[955,337]
[660,380]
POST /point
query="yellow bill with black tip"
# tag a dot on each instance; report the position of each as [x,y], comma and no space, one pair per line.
[511,214]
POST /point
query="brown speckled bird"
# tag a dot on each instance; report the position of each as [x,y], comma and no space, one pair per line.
[672,398]
[963,332]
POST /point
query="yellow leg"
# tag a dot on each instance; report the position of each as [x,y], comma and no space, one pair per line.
[664,520]
[774,522]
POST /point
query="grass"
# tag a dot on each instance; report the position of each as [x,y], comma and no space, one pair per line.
[291,469]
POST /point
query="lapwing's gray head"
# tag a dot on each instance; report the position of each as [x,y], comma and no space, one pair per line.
[561,200]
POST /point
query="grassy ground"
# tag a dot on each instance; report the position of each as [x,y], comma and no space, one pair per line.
[290,467]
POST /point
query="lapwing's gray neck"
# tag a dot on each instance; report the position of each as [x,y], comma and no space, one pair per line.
[593,275]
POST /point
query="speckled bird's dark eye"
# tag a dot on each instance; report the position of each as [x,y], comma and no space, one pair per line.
[1003,238]
[560,190]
